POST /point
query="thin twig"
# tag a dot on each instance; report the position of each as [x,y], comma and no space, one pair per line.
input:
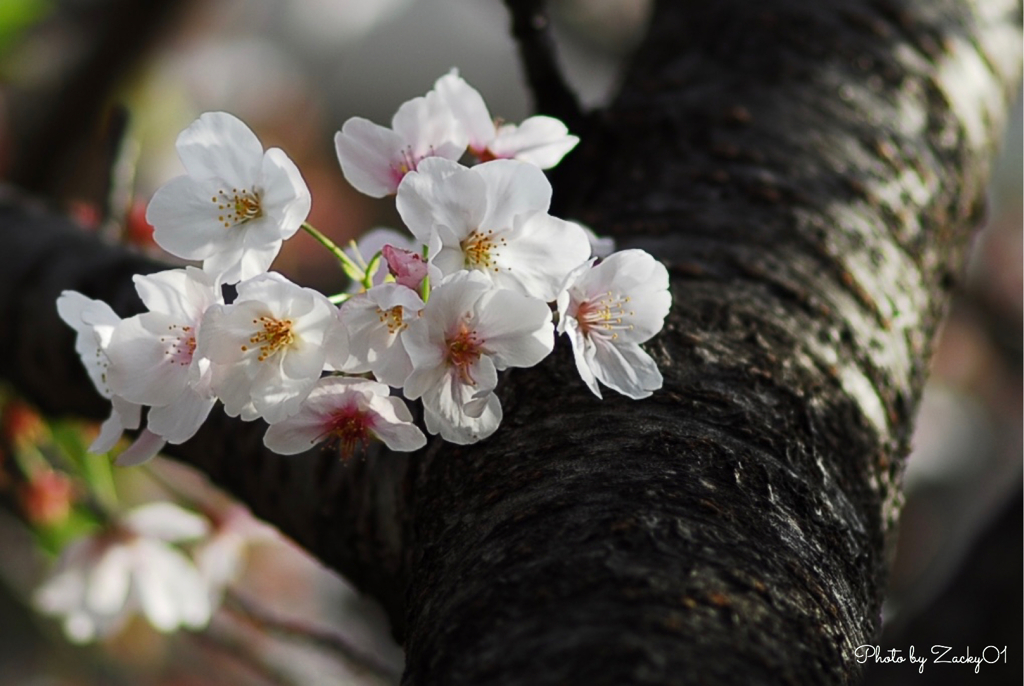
[553,95]
[243,653]
[261,618]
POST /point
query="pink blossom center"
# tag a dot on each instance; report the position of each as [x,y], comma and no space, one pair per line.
[181,346]
[405,163]
[462,352]
[349,428]
[606,313]
[483,153]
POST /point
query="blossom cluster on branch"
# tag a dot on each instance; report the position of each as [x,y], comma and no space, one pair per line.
[486,281]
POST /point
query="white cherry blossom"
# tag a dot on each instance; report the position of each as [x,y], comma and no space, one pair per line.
[94,322]
[102,579]
[235,205]
[375,159]
[268,348]
[540,140]
[492,218]
[608,310]
[350,411]
[153,360]
[376,321]
[467,332]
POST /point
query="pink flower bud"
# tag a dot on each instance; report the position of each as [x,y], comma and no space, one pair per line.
[46,498]
[407,267]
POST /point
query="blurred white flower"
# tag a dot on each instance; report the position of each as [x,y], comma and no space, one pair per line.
[235,205]
[608,311]
[220,557]
[102,579]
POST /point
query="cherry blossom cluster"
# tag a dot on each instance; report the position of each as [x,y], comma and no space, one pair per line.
[485,282]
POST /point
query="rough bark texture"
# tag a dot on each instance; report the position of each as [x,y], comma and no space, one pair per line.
[811,173]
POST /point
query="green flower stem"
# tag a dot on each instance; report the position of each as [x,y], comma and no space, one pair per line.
[100,477]
[425,284]
[359,256]
[346,262]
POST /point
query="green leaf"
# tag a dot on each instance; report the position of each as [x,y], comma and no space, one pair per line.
[18,15]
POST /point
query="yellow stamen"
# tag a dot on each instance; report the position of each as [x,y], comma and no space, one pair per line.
[607,314]
[275,336]
[481,250]
[238,207]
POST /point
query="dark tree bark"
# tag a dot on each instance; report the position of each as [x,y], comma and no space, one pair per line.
[811,174]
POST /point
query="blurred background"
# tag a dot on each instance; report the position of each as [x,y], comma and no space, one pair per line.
[294,71]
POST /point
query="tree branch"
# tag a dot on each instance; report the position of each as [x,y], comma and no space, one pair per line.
[531,27]
[812,173]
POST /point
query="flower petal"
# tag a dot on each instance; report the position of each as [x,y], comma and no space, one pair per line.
[429,128]
[182,293]
[444,193]
[468,107]
[626,368]
[285,196]
[583,353]
[253,261]
[539,253]
[296,434]
[516,329]
[219,145]
[123,415]
[539,140]
[394,425]
[167,522]
[144,357]
[145,448]
[462,429]
[83,315]
[513,188]
[180,420]
[108,582]
[369,155]
[186,223]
